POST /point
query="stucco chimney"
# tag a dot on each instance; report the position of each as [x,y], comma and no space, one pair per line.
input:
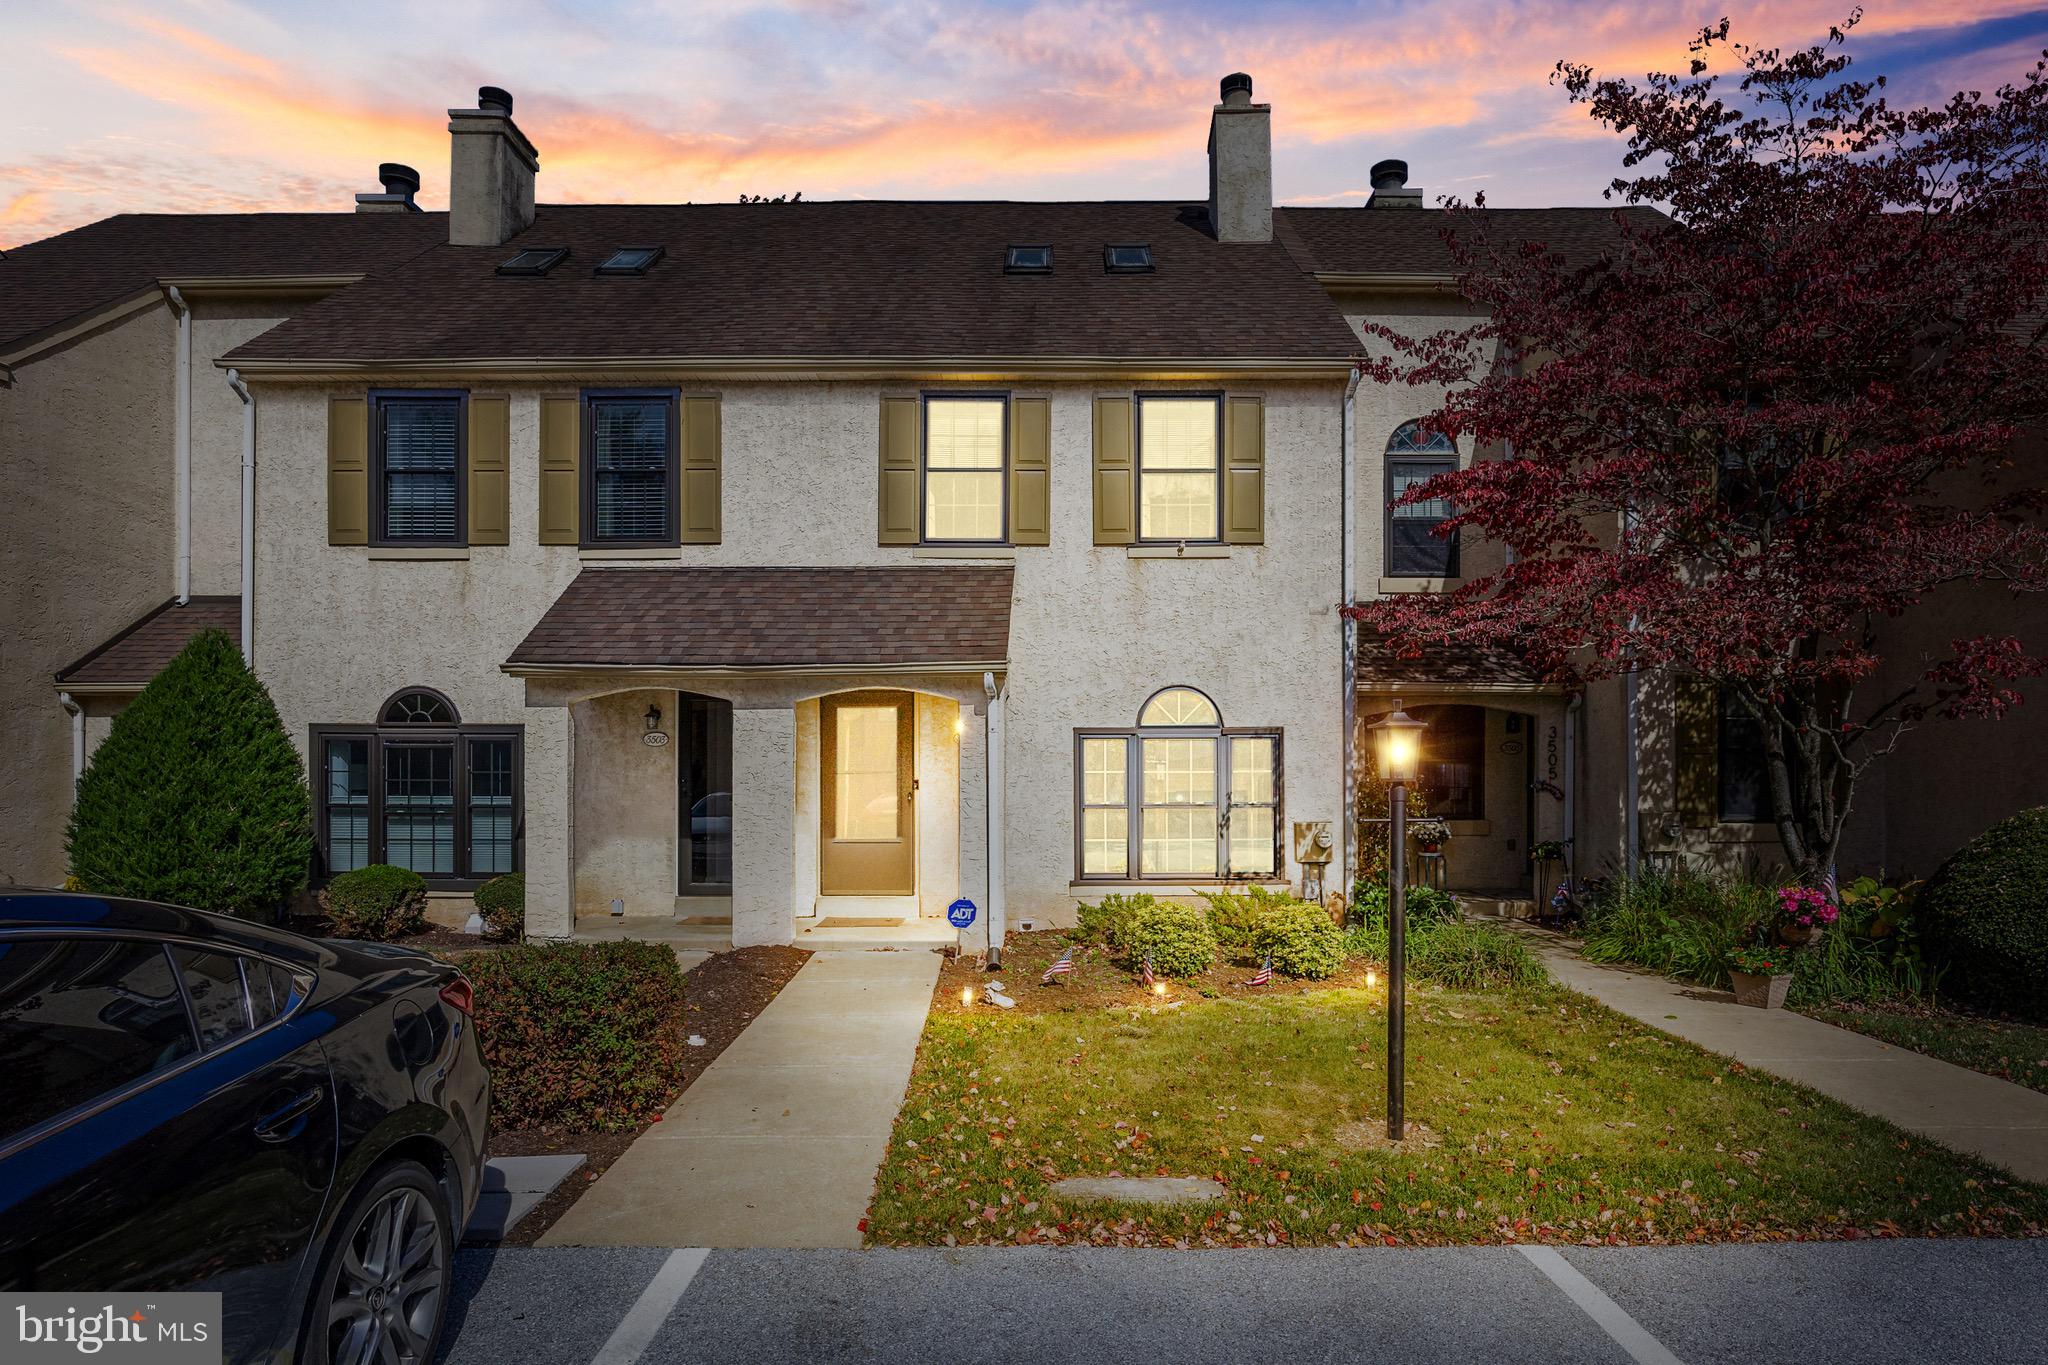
[1390,187]
[401,183]
[490,172]
[1241,165]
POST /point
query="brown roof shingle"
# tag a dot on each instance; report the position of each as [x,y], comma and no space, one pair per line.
[774,618]
[47,283]
[140,652]
[1363,241]
[851,279]
[1379,664]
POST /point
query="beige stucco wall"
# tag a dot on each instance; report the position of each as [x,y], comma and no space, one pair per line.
[218,326]
[625,806]
[86,535]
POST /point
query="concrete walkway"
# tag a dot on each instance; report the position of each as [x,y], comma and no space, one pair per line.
[1959,1108]
[778,1143]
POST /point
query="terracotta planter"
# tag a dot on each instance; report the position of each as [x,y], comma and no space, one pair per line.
[1430,848]
[1764,992]
[1797,935]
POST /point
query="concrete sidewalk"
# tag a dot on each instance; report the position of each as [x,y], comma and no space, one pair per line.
[1959,1108]
[778,1143]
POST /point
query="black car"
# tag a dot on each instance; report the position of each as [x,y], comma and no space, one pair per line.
[192,1102]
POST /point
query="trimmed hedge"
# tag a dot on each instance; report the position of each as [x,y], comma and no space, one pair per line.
[379,902]
[579,1035]
[197,797]
[1302,939]
[1984,917]
[502,903]
[1234,916]
[1109,920]
[1176,937]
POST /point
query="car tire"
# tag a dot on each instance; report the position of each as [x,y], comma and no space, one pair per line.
[385,1274]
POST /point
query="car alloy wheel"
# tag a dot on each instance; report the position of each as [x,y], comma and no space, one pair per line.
[384,1306]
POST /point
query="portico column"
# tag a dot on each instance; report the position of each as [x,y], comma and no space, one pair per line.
[550,759]
[763,825]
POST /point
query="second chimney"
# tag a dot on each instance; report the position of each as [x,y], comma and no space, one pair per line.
[1241,165]
[1390,188]
[401,183]
[490,173]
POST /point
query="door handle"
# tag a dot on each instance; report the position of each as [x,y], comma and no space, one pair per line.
[281,1123]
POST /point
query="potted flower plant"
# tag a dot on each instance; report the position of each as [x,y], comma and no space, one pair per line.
[1429,833]
[1761,976]
[1803,913]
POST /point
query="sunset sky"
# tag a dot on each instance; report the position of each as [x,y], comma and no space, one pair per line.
[188,105]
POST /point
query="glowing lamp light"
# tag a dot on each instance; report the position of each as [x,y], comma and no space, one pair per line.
[1159,988]
[1399,737]
[967,997]
[1372,978]
[959,727]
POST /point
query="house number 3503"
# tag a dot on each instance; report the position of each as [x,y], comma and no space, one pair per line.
[655,739]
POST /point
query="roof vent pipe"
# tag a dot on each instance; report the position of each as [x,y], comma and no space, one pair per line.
[1390,188]
[400,183]
[494,99]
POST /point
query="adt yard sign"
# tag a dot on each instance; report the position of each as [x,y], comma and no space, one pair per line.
[961,913]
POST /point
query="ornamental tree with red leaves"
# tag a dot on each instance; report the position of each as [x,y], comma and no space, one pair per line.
[1765,423]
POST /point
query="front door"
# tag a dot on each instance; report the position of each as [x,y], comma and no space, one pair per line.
[703,796]
[868,833]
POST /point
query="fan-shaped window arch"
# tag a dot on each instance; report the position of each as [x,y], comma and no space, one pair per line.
[418,706]
[1179,706]
[1414,550]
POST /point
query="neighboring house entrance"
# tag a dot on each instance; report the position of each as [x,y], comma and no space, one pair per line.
[868,828]
[703,795]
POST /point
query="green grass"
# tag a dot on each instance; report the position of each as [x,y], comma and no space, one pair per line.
[1554,1119]
[2003,1048]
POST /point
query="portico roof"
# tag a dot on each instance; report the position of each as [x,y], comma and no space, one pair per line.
[941,617]
[1464,667]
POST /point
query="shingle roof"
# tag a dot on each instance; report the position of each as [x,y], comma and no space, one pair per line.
[851,279]
[1379,664]
[47,283]
[1362,241]
[775,617]
[140,652]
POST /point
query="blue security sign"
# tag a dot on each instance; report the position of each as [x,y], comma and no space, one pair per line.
[961,913]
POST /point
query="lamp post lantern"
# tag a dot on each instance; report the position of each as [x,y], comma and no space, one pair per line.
[1399,739]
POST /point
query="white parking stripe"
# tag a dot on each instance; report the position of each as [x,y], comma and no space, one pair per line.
[630,1338]
[1628,1334]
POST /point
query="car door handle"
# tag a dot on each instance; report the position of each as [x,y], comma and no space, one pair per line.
[279,1124]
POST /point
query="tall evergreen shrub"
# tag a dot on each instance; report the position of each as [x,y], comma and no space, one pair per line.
[197,796]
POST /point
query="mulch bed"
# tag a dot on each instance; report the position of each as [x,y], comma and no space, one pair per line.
[721,996]
[1097,982]
[434,938]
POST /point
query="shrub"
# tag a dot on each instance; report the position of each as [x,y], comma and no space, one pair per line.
[1234,915]
[1680,922]
[502,903]
[1108,921]
[1176,937]
[1984,917]
[1301,938]
[197,796]
[1369,899]
[582,1035]
[1461,954]
[379,902]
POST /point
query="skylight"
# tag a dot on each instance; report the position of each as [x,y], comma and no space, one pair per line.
[1028,260]
[1128,259]
[630,260]
[537,260]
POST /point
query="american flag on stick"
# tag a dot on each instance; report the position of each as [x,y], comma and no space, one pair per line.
[1148,969]
[1264,974]
[1061,965]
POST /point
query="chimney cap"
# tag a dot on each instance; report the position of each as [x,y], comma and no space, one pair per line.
[398,178]
[1236,81]
[1391,174]
[494,98]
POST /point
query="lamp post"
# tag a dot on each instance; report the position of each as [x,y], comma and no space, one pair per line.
[1399,737]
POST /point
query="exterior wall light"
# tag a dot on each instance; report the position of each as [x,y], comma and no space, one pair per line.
[653,718]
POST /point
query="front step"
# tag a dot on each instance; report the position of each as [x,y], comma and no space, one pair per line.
[1497,907]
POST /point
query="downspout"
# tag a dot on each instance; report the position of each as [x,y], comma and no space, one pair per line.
[1631,783]
[1571,787]
[248,516]
[992,809]
[182,440]
[1347,800]
[77,714]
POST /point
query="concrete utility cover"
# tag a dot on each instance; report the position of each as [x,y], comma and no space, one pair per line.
[1134,1189]
[513,1187]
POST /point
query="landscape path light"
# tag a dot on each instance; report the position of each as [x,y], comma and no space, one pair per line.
[1398,737]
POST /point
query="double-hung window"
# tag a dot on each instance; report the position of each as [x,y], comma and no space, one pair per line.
[1741,773]
[1178,798]
[1414,549]
[965,469]
[419,790]
[418,452]
[631,482]
[1180,467]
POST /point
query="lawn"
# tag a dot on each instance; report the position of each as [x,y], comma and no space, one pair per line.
[1544,1117]
[2003,1048]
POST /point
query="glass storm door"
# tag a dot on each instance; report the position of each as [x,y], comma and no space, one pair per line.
[868,834]
[703,796]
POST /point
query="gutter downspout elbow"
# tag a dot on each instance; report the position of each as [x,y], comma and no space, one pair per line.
[77,714]
[992,806]
[248,516]
[182,440]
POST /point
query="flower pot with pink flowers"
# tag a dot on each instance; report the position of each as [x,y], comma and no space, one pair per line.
[1804,913]
[1761,976]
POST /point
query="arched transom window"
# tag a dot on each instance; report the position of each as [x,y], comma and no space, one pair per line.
[1414,550]
[1178,797]
[419,706]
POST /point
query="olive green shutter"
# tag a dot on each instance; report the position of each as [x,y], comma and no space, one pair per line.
[1031,471]
[1696,727]
[703,471]
[348,471]
[490,469]
[897,498]
[1114,523]
[1244,471]
[561,446]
